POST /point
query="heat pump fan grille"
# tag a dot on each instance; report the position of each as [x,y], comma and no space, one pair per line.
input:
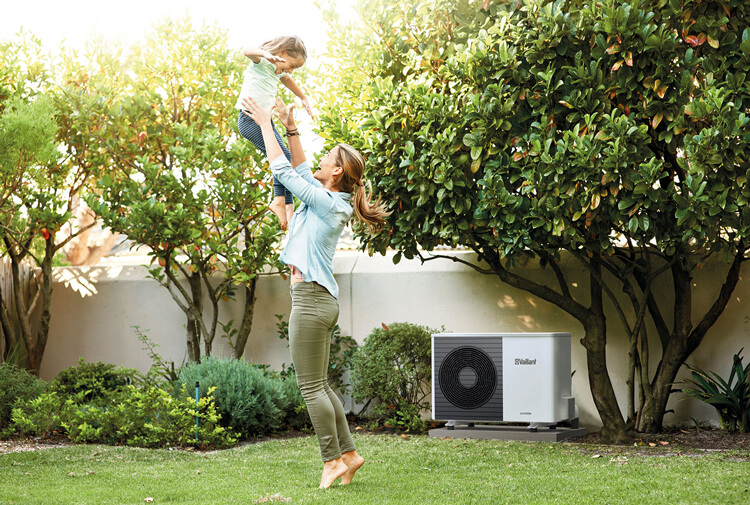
[468,377]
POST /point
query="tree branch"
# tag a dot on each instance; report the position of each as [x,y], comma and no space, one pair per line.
[455,260]
[653,306]
[731,280]
[568,304]
[618,308]
[558,273]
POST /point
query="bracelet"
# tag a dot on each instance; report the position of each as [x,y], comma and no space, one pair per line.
[292,134]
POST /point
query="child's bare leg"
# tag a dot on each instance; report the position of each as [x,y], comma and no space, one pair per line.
[289,212]
[278,207]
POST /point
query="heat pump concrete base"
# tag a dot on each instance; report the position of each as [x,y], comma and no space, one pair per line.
[493,432]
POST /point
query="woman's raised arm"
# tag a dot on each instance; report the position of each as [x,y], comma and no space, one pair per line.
[286,116]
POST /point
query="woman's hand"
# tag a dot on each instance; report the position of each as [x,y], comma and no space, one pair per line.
[255,111]
[285,114]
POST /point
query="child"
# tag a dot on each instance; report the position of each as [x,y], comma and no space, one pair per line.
[272,62]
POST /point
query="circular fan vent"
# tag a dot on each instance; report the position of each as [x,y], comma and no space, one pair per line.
[467,377]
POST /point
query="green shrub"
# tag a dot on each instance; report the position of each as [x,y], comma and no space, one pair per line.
[391,370]
[39,416]
[151,417]
[730,398]
[86,423]
[93,380]
[405,417]
[140,417]
[295,411]
[250,401]
[16,386]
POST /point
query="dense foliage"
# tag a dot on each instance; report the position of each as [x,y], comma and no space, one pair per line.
[614,133]
[730,397]
[251,401]
[139,417]
[146,136]
[102,403]
[16,386]
[392,371]
[92,380]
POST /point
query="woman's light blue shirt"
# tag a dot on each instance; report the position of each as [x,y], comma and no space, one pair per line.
[316,226]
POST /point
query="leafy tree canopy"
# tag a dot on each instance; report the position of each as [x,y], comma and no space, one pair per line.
[614,131]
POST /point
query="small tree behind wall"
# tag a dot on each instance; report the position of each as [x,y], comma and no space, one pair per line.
[191,191]
[39,183]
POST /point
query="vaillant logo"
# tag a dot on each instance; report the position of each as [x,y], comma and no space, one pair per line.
[523,361]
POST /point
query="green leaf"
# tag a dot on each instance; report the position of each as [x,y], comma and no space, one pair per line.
[470,140]
[645,222]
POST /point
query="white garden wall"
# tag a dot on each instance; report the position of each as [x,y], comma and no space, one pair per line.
[95,308]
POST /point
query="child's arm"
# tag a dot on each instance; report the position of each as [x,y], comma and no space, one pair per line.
[287,81]
[256,53]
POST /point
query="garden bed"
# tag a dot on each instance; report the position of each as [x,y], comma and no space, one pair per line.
[708,440]
[704,439]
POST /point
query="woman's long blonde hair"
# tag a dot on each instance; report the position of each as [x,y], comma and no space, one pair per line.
[371,214]
[292,44]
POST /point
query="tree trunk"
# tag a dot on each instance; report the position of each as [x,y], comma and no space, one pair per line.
[684,339]
[595,343]
[35,357]
[193,325]
[22,312]
[247,319]
[632,367]
[652,412]
[6,327]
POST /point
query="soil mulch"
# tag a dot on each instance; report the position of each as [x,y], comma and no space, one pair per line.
[704,439]
[677,441]
[32,444]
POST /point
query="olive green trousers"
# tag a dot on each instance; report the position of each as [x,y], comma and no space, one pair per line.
[314,315]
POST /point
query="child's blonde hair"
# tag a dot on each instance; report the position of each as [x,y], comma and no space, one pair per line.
[293,46]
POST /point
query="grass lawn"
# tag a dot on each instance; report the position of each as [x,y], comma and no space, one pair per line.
[418,470]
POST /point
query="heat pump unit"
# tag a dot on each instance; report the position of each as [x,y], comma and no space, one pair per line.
[509,377]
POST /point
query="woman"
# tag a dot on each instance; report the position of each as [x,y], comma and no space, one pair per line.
[313,233]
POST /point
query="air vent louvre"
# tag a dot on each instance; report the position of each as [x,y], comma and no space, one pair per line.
[468,377]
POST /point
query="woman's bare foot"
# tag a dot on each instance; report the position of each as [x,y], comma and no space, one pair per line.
[278,207]
[332,470]
[353,462]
